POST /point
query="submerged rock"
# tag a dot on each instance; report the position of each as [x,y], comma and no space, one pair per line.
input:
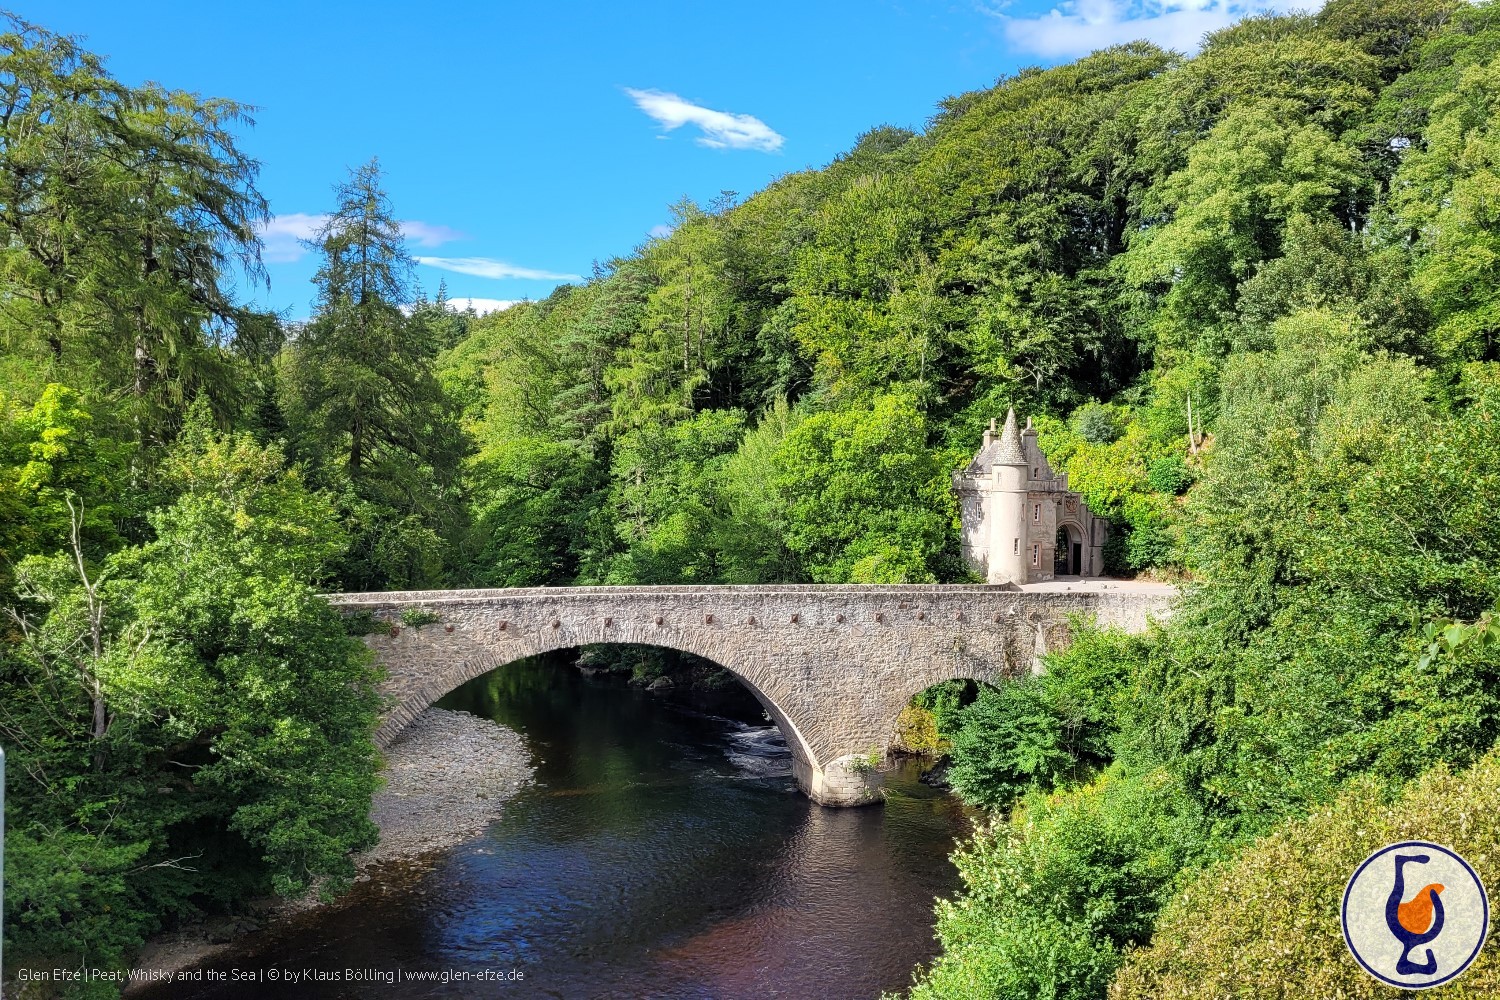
[936,776]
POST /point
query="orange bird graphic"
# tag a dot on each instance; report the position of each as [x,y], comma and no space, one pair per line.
[1415,922]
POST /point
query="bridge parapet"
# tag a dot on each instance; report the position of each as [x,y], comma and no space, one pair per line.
[833,665]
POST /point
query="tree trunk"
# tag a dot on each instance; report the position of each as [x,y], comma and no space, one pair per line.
[1192,440]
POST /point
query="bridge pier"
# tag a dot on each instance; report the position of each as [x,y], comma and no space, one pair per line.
[851,780]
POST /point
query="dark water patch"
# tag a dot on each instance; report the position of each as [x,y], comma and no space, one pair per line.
[662,851]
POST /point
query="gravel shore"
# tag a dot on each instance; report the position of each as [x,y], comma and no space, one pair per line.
[447,777]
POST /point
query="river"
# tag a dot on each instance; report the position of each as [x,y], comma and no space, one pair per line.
[662,851]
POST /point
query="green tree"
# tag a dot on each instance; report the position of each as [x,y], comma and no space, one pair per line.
[1047,731]
[189,723]
[866,500]
[1261,166]
[358,384]
[50,453]
[1053,898]
[1445,195]
[124,209]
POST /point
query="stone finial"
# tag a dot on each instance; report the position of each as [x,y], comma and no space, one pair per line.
[1010,452]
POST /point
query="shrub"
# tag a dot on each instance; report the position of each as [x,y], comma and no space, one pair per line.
[417,617]
[1113,478]
[1266,922]
[1149,546]
[1048,730]
[1052,897]
[1095,423]
[946,701]
[928,722]
[917,732]
[1169,474]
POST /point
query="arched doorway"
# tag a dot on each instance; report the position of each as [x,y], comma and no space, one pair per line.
[1068,558]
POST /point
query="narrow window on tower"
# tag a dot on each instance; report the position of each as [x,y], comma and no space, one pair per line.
[1017,547]
[1036,555]
[1036,512]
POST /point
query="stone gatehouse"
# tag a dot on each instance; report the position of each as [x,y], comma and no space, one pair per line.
[1021,523]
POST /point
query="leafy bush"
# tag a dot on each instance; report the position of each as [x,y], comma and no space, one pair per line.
[185,797]
[946,701]
[417,617]
[1169,474]
[1042,732]
[1095,423]
[1113,480]
[1292,667]
[1266,922]
[917,732]
[927,724]
[69,898]
[1149,546]
[1051,898]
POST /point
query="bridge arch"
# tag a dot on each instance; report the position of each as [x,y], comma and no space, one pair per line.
[451,672]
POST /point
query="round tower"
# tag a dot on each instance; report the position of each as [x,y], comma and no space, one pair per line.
[1006,513]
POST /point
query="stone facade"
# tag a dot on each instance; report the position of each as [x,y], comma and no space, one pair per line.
[1021,523]
[833,665]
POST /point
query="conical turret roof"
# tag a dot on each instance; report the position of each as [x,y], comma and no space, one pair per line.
[1009,452]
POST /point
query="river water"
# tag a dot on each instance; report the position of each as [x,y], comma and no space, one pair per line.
[662,851]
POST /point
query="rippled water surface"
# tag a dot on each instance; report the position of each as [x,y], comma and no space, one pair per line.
[662,852]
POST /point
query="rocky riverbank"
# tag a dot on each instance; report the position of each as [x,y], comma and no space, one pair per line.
[447,777]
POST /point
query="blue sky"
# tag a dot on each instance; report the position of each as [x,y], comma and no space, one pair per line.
[523,142]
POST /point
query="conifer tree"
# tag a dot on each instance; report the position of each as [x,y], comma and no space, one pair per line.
[358,385]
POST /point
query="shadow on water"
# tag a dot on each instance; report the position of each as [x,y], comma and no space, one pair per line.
[662,852]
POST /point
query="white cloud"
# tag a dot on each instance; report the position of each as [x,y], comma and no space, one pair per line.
[282,235]
[660,231]
[426,234]
[482,306]
[721,129]
[1078,27]
[485,267]
[479,305]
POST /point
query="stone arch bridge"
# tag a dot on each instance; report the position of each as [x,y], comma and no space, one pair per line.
[833,665]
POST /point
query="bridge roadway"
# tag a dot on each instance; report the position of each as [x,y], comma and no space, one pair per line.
[832,664]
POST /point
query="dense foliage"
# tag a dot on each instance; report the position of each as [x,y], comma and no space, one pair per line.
[1351,512]
[1212,938]
[1044,731]
[188,724]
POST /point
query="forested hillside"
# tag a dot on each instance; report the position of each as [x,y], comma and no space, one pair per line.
[1251,297]
[780,388]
